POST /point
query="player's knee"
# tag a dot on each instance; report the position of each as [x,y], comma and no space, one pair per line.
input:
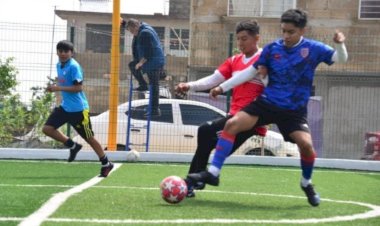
[306,147]
[204,130]
[232,126]
[47,130]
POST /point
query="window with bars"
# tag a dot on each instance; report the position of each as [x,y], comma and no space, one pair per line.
[99,38]
[259,8]
[179,39]
[369,9]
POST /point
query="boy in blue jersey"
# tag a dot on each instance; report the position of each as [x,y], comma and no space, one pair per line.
[291,63]
[74,107]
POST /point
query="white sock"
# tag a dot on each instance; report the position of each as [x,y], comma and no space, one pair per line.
[305,182]
[214,170]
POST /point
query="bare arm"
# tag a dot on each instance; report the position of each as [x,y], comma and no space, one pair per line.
[72,89]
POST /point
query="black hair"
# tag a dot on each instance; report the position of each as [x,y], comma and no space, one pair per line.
[298,17]
[251,26]
[65,45]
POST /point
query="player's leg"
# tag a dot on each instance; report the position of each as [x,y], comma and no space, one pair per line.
[293,126]
[206,141]
[304,142]
[56,119]
[82,124]
[242,121]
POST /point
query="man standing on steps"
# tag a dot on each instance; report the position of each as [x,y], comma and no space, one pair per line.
[150,59]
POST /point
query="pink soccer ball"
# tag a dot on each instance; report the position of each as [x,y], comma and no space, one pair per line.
[173,189]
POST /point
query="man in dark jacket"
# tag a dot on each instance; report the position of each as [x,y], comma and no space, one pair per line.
[147,49]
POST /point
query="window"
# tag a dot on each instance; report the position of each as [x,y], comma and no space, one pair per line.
[166,113]
[196,115]
[369,9]
[179,39]
[259,8]
[99,38]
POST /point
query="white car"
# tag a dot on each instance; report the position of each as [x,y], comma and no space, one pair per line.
[175,130]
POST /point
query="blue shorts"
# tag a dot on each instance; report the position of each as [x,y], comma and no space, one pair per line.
[286,120]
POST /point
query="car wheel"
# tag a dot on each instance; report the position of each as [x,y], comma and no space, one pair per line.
[257,151]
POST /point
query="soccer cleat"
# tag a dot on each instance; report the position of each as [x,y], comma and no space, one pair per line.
[74,151]
[105,170]
[190,188]
[199,185]
[311,195]
[205,177]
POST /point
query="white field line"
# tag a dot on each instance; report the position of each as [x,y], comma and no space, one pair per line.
[372,213]
[245,167]
[57,200]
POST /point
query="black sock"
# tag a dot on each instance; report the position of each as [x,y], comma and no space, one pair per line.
[104,160]
[69,143]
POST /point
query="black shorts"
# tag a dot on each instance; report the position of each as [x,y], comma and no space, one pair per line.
[286,120]
[80,121]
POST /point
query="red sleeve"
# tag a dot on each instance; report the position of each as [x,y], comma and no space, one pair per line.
[226,68]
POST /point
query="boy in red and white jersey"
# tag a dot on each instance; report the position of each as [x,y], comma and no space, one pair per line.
[247,34]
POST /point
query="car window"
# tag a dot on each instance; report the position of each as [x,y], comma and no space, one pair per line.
[166,113]
[196,115]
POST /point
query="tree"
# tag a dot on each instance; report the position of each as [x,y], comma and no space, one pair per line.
[16,119]
[7,77]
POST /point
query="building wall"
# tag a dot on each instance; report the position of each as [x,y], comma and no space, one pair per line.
[351,108]
[349,92]
[325,16]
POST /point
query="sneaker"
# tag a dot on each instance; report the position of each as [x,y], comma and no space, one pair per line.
[311,195]
[205,177]
[105,170]
[74,151]
[141,88]
[190,188]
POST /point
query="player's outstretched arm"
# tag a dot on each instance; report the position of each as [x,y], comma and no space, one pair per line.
[243,76]
[206,83]
[340,55]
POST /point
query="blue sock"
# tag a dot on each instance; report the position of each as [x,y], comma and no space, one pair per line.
[223,149]
[307,165]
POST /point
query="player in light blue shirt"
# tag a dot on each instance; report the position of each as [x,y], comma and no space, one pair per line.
[291,63]
[70,73]
[74,108]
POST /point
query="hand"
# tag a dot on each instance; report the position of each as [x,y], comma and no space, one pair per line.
[138,65]
[182,87]
[215,92]
[339,37]
[262,72]
[52,88]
